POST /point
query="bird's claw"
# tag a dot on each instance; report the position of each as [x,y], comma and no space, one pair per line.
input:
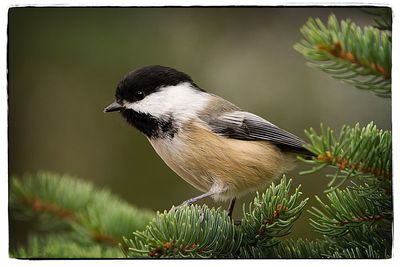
[184,204]
[189,203]
[202,215]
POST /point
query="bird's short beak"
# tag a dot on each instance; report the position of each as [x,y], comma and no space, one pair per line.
[113,107]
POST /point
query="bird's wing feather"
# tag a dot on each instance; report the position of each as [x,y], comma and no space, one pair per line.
[247,126]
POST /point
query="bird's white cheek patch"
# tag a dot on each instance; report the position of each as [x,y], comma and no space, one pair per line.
[181,101]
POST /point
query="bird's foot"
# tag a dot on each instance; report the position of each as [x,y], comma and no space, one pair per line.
[189,203]
[185,203]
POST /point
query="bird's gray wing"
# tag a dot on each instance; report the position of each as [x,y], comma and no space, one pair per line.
[247,126]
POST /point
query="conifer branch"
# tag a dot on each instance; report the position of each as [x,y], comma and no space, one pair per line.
[338,219]
[76,204]
[188,232]
[63,247]
[200,232]
[362,152]
[38,205]
[382,19]
[272,214]
[321,249]
[358,218]
[360,57]
[300,249]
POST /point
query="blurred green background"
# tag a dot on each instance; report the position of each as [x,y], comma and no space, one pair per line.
[64,65]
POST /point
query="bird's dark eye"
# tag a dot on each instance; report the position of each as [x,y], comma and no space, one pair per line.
[139,95]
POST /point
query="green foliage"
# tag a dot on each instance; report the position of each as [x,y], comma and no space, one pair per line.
[364,152]
[358,219]
[337,219]
[200,232]
[189,232]
[297,249]
[58,246]
[324,248]
[76,213]
[383,18]
[66,204]
[355,222]
[360,57]
[271,215]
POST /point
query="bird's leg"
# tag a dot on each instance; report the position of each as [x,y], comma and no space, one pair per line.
[193,200]
[231,206]
[213,191]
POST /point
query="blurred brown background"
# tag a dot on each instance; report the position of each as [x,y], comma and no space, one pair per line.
[64,65]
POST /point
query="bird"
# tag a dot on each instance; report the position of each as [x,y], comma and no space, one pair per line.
[218,148]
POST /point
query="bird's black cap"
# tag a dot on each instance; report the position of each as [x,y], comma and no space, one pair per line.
[141,82]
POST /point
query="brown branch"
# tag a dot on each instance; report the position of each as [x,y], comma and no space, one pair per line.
[164,250]
[275,215]
[362,219]
[38,205]
[268,221]
[336,50]
[103,238]
[343,163]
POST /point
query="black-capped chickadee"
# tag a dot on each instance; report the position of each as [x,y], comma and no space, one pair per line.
[212,144]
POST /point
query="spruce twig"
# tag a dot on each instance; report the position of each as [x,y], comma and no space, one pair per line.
[200,232]
[362,152]
[360,57]
[96,214]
